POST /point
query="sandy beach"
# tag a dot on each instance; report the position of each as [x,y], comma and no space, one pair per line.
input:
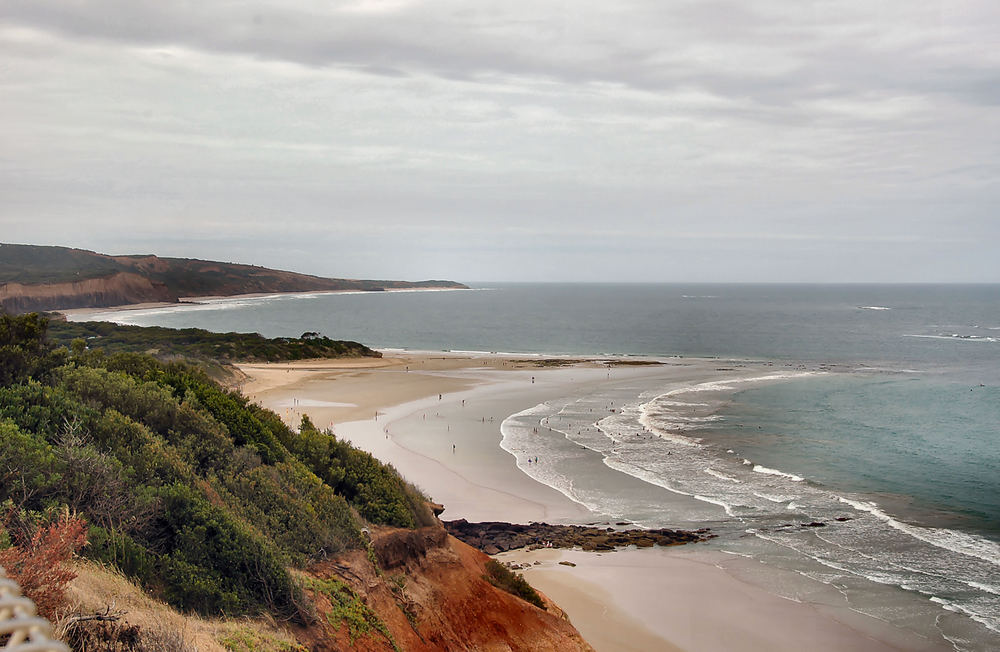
[436,418]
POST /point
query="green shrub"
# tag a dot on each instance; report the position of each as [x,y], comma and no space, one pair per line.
[229,409]
[347,608]
[216,565]
[29,469]
[198,344]
[375,489]
[514,583]
[303,515]
[122,551]
[24,350]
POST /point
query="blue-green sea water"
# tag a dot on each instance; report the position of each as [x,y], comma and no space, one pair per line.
[895,430]
[925,444]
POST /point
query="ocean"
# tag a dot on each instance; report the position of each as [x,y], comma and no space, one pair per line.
[849,433]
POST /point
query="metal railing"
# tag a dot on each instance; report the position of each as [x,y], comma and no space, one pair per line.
[21,628]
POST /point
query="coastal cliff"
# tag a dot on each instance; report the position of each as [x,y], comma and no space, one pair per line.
[431,593]
[36,278]
[418,591]
[121,288]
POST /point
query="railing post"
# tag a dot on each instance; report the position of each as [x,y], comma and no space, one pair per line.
[21,629]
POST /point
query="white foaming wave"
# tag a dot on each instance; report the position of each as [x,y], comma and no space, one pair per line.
[757,468]
[561,483]
[128,316]
[995,590]
[970,545]
[871,574]
[725,506]
[722,476]
[668,435]
[653,478]
[874,308]
[727,384]
[774,498]
[646,409]
[197,304]
[648,421]
[894,370]
[957,608]
[955,337]
[673,417]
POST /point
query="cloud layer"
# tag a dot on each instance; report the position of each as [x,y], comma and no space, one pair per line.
[658,141]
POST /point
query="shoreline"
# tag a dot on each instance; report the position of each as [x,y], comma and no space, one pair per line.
[437,418]
[81,314]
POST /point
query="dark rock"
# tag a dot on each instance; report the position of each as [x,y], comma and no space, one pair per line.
[498,536]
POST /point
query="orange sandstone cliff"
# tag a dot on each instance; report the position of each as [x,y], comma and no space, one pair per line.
[429,590]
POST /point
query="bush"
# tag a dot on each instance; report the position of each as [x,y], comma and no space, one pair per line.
[24,350]
[216,565]
[302,515]
[375,489]
[229,409]
[38,565]
[346,607]
[121,551]
[514,583]
[29,470]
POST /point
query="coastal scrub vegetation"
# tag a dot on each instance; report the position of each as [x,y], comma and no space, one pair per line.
[204,498]
[199,344]
[347,607]
[514,583]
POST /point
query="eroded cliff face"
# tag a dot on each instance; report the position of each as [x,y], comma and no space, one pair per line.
[115,290]
[429,591]
[57,278]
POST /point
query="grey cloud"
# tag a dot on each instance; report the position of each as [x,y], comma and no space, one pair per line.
[769,57]
[489,133]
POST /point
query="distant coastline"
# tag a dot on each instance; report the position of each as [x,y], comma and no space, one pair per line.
[38,278]
[83,314]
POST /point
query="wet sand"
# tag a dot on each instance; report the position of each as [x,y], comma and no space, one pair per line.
[437,417]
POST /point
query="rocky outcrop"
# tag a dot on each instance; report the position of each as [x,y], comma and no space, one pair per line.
[429,591]
[493,537]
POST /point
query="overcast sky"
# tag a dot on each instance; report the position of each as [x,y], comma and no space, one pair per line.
[658,140]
